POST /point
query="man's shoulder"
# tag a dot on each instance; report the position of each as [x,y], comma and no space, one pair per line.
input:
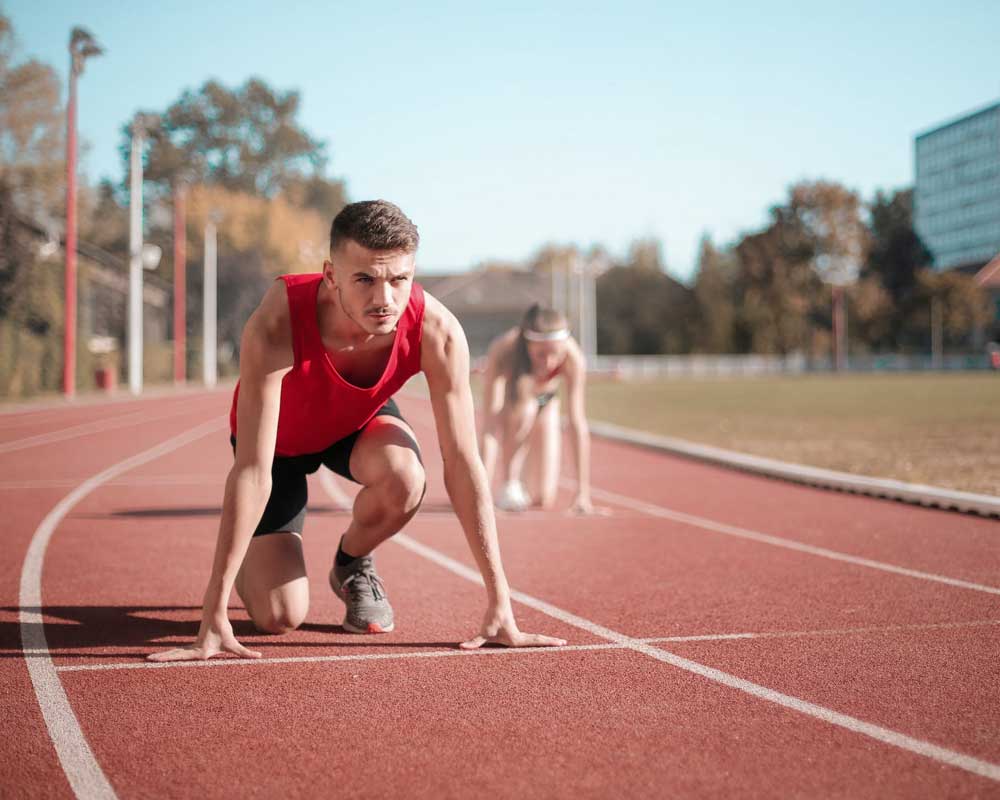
[443,338]
[439,322]
[269,328]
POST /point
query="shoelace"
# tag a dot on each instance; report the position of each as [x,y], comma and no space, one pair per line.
[357,582]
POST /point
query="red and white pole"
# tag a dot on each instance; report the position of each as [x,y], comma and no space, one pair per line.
[81,47]
[180,285]
[69,331]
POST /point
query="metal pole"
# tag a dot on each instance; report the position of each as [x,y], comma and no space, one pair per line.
[937,334]
[135,262]
[558,287]
[591,349]
[180,286]
[69,332]
[209,309]
[838,328]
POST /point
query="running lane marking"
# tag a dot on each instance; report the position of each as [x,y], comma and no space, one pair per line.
[149,480]
[249,662]
[707,637]
[777,541]
[85,775]
[763,538]
[920,747]
[98,426]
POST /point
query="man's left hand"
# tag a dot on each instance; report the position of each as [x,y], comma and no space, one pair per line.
[500,628]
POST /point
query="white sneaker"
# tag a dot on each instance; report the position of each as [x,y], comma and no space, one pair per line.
[513,497]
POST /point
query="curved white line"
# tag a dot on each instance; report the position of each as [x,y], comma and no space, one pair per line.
[97,426]
[85,775]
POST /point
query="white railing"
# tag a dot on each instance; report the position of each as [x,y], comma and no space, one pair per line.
[703,366]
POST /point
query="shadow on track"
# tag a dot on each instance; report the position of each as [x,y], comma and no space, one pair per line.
[94,630]
[216,511]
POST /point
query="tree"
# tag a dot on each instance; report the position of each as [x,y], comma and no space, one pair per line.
[895,259]
[31,168]
[31,130]
[245,140]
[815,237]
[642,310]
[714,296]
[964,306]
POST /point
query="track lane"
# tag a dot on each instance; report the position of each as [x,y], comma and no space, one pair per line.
[436,524]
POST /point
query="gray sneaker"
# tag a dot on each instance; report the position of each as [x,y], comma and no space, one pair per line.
[361,589]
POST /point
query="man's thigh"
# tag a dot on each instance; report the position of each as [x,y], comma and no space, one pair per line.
[386,445]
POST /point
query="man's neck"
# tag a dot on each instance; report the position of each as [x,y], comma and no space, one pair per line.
[336,326]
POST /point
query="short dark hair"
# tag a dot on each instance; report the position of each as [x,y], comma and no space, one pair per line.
[375,224]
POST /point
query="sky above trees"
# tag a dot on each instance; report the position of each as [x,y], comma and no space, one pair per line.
[501,129]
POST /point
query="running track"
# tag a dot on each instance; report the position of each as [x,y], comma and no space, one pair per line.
[730,636]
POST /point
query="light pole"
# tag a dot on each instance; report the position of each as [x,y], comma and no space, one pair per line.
[135,257]
[140,256]
[210,304]
[81,47]
[180,283]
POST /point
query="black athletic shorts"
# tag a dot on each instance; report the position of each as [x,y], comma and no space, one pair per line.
[286,507]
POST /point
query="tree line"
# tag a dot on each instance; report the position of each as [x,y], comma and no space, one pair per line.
[244,162]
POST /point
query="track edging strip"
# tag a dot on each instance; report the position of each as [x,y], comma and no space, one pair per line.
[883,488]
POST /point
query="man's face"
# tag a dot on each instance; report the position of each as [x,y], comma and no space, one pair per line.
[546,356]
[373,286]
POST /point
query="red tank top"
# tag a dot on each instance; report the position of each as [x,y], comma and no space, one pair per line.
[319,407]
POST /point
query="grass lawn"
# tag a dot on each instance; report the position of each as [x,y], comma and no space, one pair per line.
[939,429]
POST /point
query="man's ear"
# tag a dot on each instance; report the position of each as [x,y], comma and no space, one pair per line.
[329,274]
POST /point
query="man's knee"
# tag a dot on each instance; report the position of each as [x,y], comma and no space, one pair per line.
[405,483]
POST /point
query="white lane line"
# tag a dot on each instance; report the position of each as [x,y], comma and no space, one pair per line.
[789,544]
[920,747]
[98,426]
[150,480]
[82,770]
[246,662]
[708,637]
[931,626]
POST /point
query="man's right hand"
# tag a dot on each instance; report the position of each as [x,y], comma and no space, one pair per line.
[215,636]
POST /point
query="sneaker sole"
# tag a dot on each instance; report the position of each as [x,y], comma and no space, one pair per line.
[373,627]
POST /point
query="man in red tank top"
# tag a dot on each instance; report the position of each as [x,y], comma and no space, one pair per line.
[320,359]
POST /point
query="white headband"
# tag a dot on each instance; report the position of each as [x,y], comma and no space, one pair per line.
[546,336]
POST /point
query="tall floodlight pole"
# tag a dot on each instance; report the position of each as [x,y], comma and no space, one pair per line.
[937,334]
[180,285]
[81,47]
[135,259]
[209,308]
[580,271]
[590,332]
[559,285]
[839,329]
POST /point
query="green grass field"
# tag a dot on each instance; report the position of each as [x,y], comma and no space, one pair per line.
[939,429]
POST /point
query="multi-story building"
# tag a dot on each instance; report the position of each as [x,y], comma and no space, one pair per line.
[957,193]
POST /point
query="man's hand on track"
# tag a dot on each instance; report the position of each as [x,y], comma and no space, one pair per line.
[500,628]
[214,637]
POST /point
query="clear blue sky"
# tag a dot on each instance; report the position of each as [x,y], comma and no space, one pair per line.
[500,129]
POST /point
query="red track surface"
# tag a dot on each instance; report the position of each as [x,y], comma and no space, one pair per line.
[859,682]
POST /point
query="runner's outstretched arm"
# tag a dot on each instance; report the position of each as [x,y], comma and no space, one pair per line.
[265,357]
[445,362]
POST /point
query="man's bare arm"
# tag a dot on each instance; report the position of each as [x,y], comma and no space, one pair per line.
[445,362]
[265,357]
